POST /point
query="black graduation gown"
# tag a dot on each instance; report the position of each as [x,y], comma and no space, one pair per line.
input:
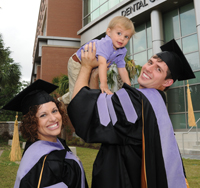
[121,162]
[61,169]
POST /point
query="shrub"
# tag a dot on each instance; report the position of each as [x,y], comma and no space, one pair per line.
[76,141]
[69,143]
[96,145]
[6,136]
[86,145]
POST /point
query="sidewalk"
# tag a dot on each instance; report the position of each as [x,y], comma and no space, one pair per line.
[189,156]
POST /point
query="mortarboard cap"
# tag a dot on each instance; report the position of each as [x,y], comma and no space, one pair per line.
[176,61]
[35,94]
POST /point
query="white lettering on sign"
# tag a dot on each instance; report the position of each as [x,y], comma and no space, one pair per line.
[135,7]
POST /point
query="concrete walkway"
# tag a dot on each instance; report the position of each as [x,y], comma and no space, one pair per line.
[189,156]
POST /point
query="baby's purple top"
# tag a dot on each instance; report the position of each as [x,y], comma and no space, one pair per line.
[104,47]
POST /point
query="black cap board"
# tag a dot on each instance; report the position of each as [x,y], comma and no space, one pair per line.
[35,94]
[176,61]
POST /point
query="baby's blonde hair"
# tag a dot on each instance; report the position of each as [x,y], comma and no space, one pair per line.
[122,21]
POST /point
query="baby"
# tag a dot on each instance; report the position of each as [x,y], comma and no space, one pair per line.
[110,49]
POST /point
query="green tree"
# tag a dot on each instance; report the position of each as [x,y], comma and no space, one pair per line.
[6,95]
[9,71]
[63,85]
[10,83]
[132,69]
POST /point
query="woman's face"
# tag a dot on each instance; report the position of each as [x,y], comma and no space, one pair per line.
[49,122]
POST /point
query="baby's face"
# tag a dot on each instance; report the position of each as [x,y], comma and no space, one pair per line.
[119,35]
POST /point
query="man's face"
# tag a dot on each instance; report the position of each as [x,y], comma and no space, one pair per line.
[153,75]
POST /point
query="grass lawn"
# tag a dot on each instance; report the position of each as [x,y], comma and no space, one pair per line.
[84,154]
[192,168]
[8,169]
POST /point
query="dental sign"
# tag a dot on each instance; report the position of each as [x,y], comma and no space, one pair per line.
[138,5]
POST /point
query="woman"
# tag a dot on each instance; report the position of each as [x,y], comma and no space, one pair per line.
[46,156]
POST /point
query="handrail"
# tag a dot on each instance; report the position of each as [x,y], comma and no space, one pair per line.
[187,133]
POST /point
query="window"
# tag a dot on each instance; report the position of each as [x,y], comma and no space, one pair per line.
[94,8]
[139,47]
[180,24]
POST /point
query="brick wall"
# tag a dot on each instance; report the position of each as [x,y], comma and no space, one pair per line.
[64,18]
[54,61]
[38,72]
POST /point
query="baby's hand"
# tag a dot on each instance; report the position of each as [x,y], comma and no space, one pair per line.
[104,89]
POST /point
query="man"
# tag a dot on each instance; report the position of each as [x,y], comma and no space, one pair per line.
[138,144]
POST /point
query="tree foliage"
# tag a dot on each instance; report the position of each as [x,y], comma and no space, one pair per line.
[110,77]
[63,85]
[10,84]
[132,69]
[9,71]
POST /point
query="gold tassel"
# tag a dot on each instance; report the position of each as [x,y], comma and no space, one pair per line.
[15,154]
[191,118]
[187,184]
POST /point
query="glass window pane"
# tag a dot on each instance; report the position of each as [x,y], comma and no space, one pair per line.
[102,1]
[141,58]
[187,19]
[177,83]
[171,25]
[87,8]
[150,54]
[87,20]
[179,43]
[139,39]
[194,91]
[149,36]
[139,43]
[190,44]
[129,47]
[197,116]
[94,4]
[195,80]
[104,8]
[178,121]
[95,14]
[112,3]
[175,98]
[193,59]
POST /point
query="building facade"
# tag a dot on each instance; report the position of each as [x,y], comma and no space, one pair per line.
[156,22]
[56,37]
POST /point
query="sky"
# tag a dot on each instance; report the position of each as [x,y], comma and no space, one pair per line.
[18,21]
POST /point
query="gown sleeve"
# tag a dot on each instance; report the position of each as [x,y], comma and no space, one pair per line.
[63,170]
[84,114]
